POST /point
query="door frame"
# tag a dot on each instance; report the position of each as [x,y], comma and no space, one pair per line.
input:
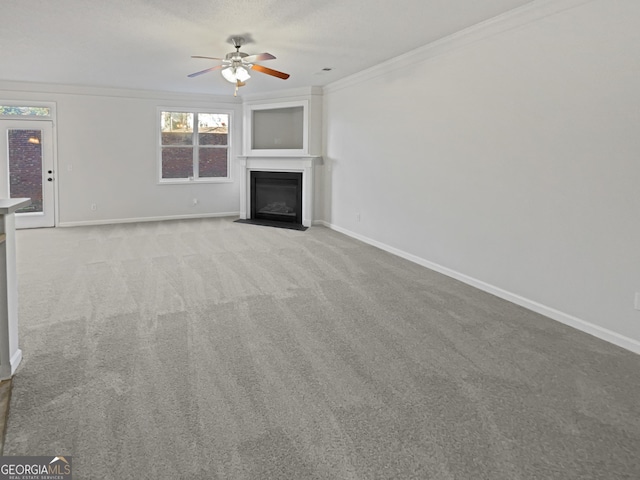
[51,119]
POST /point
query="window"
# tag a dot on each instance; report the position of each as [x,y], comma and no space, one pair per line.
[194,146]
[25,111]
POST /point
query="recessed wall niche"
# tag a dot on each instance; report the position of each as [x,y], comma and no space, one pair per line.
[278,128]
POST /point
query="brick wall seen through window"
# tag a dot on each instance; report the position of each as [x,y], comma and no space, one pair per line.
[194,146]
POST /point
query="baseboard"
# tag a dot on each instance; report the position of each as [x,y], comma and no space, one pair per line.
[577,323]
[113,221]
[15,361]
[8,369]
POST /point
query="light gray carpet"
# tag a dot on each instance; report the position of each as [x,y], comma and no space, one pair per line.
[208,349]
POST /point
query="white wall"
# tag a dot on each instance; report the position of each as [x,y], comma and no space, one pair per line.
[107,154]
[510,159]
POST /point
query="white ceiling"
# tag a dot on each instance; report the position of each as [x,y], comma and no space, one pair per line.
[147,44]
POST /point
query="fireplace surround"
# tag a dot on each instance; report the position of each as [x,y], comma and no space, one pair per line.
[303,165]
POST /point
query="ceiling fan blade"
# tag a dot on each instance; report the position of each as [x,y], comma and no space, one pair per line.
[259,57]
[209,58]
[268,71]
[204,71]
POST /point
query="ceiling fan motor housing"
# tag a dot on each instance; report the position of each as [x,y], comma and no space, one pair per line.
[235,56]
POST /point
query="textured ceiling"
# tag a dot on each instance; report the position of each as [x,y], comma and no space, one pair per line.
[147,44]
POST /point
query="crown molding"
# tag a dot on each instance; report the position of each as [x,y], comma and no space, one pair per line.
[283,94]
[528,13]
[35,87]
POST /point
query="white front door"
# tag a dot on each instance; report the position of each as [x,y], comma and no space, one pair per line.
[26,169]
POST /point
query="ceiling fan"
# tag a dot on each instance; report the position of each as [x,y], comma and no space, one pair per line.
[236,65]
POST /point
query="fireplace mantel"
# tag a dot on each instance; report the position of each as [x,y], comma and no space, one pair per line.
[304,164]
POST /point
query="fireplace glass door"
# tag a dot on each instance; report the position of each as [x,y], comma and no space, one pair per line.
[276,196]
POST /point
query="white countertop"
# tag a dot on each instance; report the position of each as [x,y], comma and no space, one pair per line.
[10,205]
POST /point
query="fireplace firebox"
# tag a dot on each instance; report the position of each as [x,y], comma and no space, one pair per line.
[276,197]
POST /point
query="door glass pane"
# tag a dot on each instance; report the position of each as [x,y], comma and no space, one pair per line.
[25,167]
[25,111]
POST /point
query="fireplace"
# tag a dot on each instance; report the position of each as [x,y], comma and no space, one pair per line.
[301,166]
[276,197]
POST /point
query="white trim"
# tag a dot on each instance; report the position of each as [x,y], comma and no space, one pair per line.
[282,94]
[35,87]
[56,172]
[230,146]
[113,221]
[512,19]
[577,323]
[10,354]
[16,358]
[186,181]
[247,131]
[302,164]
[54,139]
[49,152]
[14,363]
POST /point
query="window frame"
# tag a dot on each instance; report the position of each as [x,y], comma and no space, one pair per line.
[196,146]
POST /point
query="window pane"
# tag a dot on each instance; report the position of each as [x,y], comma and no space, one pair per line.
[213,138]
[177,138]
[25,167]
[213,129]
[25,111]
[212,162]
[177,128]
[177,162]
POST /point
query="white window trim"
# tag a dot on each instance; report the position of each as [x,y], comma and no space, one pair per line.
[192,181]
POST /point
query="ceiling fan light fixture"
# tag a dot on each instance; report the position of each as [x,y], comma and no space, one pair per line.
[242,74]
[234,74]
[229,74]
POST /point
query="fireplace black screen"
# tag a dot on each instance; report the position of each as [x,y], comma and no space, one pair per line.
[276,196]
